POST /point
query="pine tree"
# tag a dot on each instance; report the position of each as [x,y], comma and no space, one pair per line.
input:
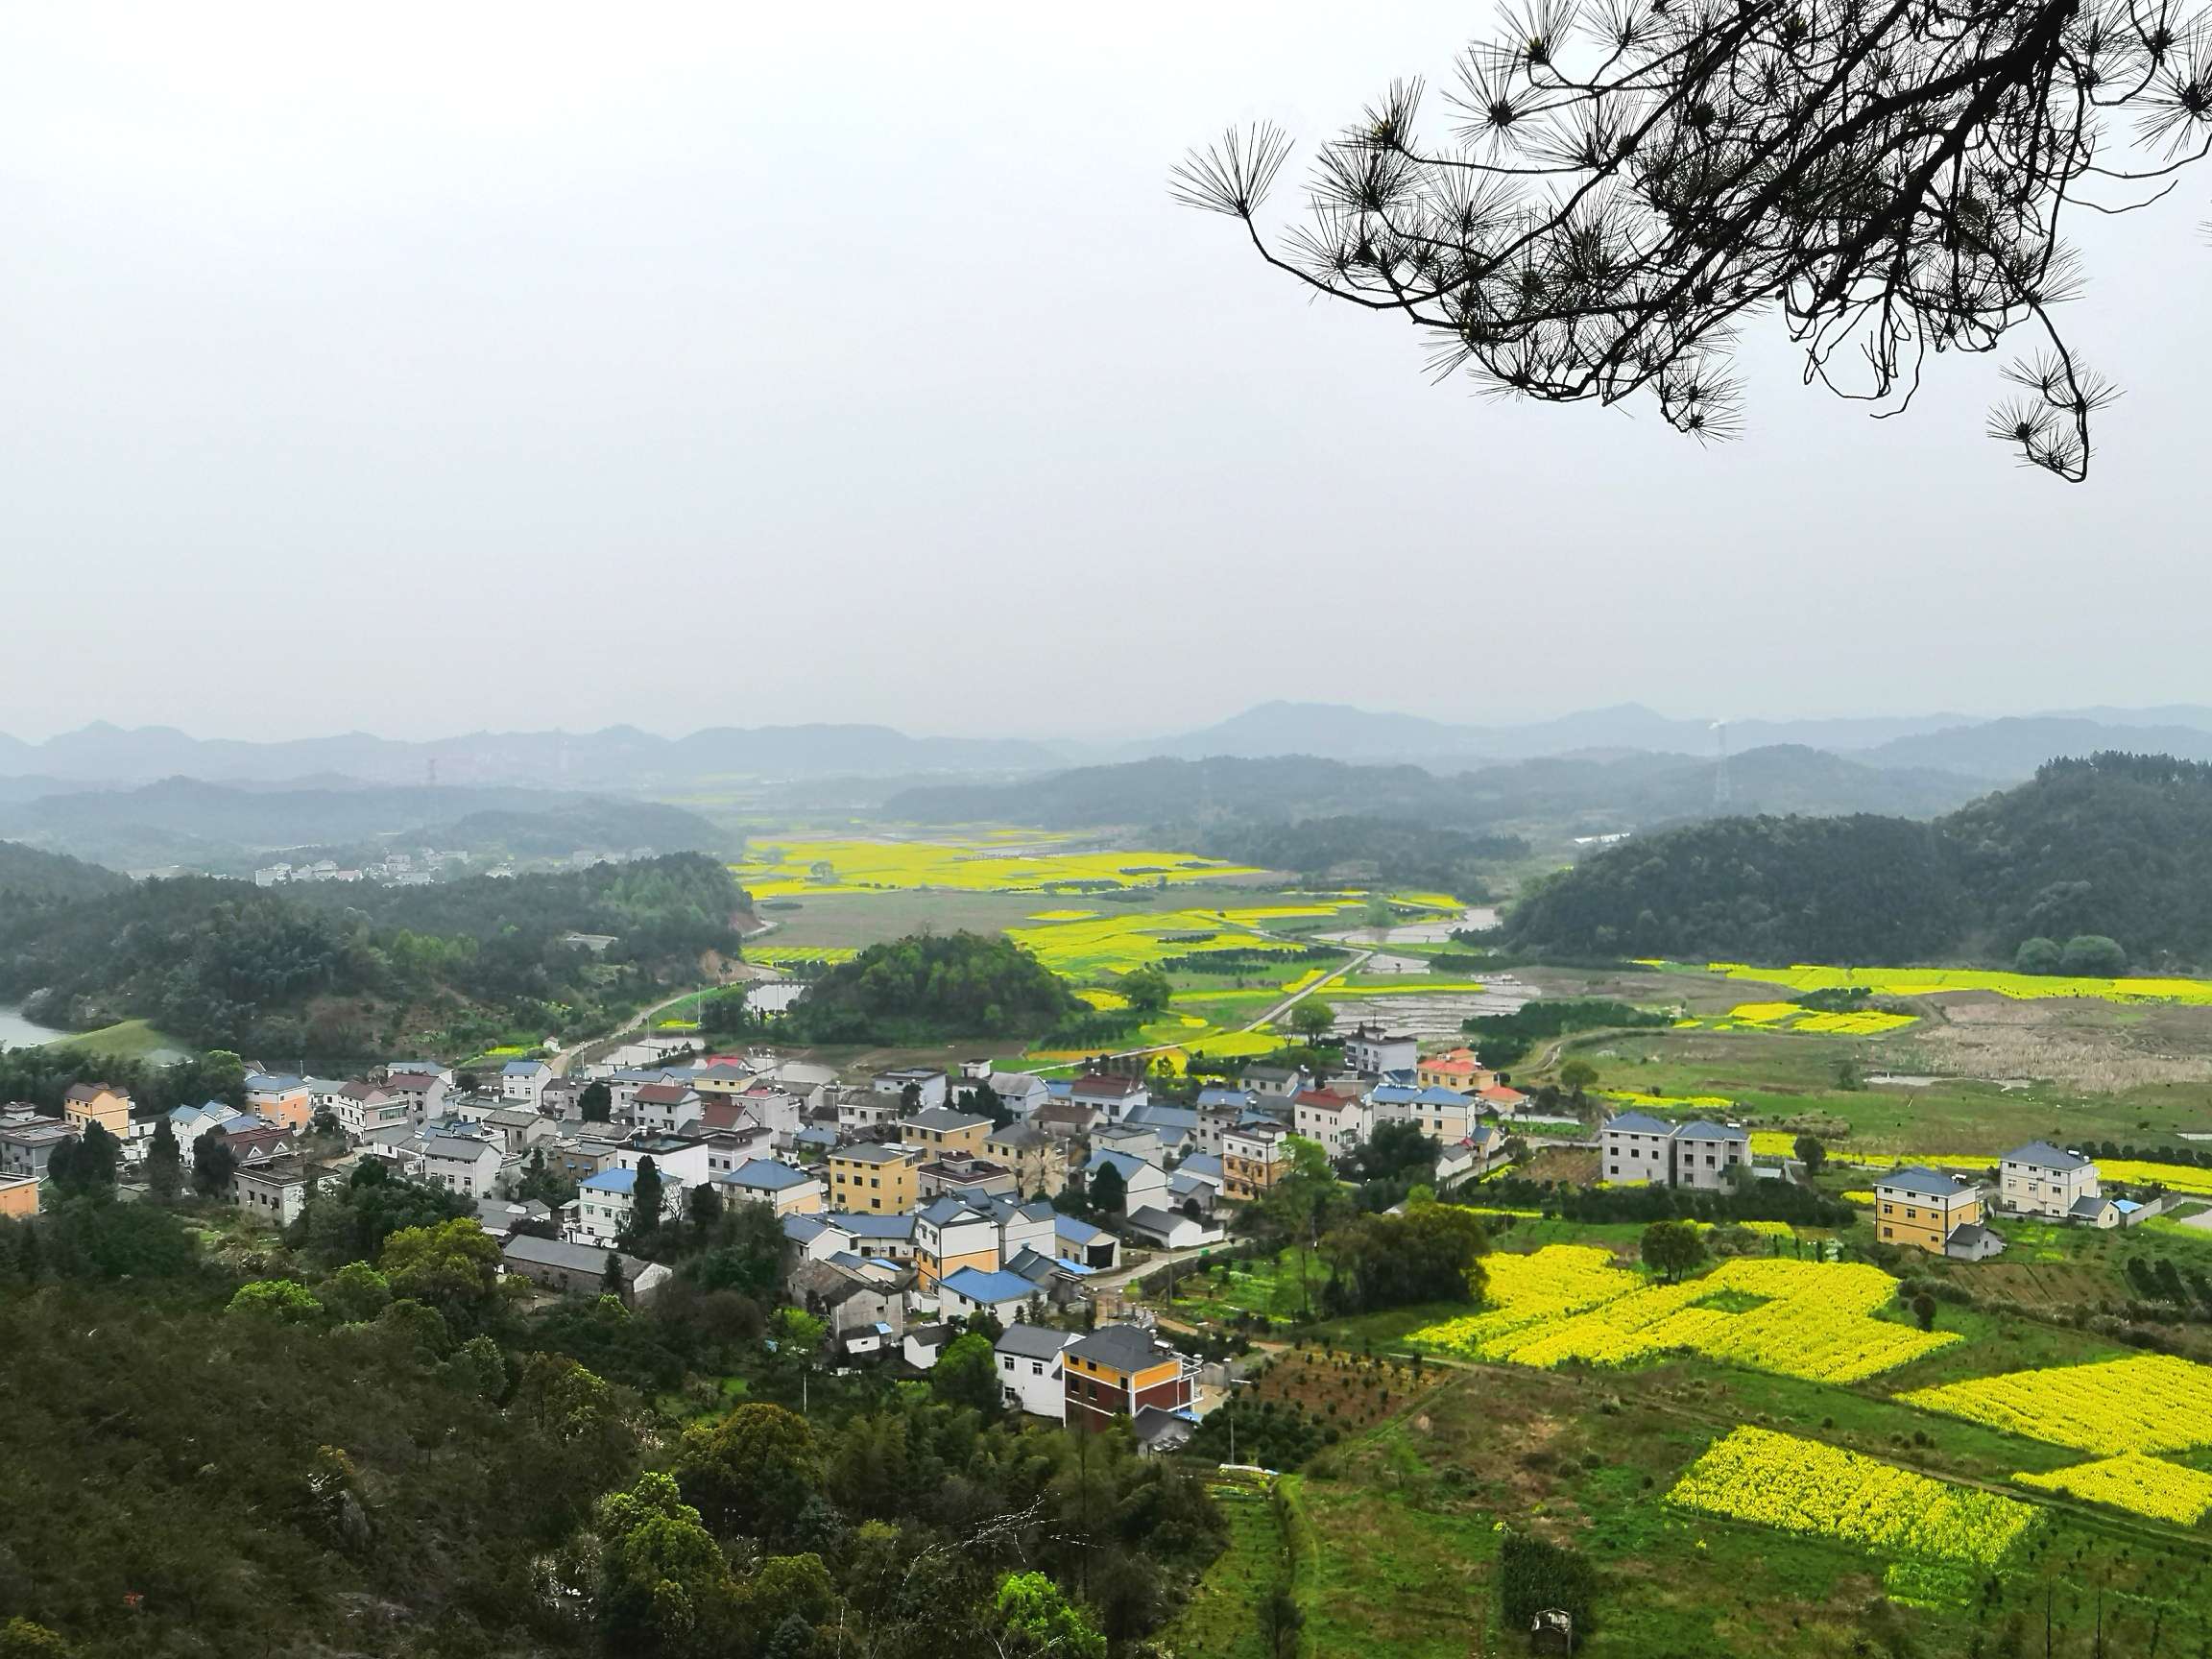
[165,1163]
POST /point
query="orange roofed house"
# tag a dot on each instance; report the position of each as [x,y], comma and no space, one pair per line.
[1118,1370]
[1455,1069]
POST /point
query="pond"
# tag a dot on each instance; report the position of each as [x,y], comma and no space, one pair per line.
[17,1033]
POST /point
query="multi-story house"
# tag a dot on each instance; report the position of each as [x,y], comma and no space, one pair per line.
[2040,1179]
[1118,1370]
[28,1139]
[103,1103]
[522,1081]
[1370,1050]
[785,1190]
[873,1177]
[423,1092]
[1029,1373]
[1338,1122]
[1705,1153]
[951,1234]
[467,1167]
[1443,1114]
[1455,1069]
[281,1099]
[1253,1159]
[1924,1208]
[666,1108]
[939,1133]
[1637,1149]
[1110,1094]
[1143,1183]
[604,1203]
[1037,1161]
[932,1087]
[275,1192]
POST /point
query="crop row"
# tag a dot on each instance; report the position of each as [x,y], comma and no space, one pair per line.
[1799,1485]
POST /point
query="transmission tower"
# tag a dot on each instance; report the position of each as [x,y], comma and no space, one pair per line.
[1722,796]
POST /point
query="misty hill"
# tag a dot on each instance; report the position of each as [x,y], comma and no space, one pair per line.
[2015,748]
[226,828]
[338,974]
[28,875]
[1563,796]
[1339,732]
[617,757]
[2116,844]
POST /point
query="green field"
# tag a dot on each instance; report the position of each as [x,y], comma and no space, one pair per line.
[1406,1516]
[127,1040]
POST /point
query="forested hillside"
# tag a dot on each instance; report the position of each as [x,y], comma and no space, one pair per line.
[2115,845]
[1577,794]
[343,971]
[29,876]
[931,987]
[357,1440]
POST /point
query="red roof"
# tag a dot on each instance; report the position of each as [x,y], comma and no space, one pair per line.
[1500,1093]
[662,1094]
[1100,1083]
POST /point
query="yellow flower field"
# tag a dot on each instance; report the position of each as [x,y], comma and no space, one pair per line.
[1567,1302]
[2147,1403]
[2143,1486]
[779,869]
[780,955]
[2127,1171]
[1799,1485]
[1921,982]
[1796,1017]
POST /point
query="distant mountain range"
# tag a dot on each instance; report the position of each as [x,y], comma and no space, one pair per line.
[1574,795]
[624,760]
[228,830]
[620,757]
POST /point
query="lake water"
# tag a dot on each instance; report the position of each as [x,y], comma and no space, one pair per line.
[17,1033]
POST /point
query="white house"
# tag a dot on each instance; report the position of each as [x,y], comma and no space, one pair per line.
[1443,1114]
[2040,1179]
[522,1081]
[1336,1121]
[1142,1183]
[666,1108]
[1637,1148]
[971,1290]
[1172,1229]
[1021,1093]
[604,1202]
[467,1167]
[785,1190]
[424,1092]
[1030,1374]
[930,1085]
[187,1123]
[1371,1051]
[1705,1152]
[1109,1095]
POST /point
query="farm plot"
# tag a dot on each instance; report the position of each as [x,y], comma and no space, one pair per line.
[1800,1485]
[2142,1485]
[1807,1319]
[2148,1403]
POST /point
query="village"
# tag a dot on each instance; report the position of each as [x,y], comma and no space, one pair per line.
[917,1203]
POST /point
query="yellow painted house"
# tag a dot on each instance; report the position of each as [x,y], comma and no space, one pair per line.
[101,1103]
[1927,1210]
[875,1178]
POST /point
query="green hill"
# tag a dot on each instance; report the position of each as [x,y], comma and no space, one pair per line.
[29,876]
[2117,845]
[338,973]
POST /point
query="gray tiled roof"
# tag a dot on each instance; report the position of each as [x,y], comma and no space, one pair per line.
[2045,1156]
[1930,1183]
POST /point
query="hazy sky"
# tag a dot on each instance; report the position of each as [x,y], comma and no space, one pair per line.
[467,366]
